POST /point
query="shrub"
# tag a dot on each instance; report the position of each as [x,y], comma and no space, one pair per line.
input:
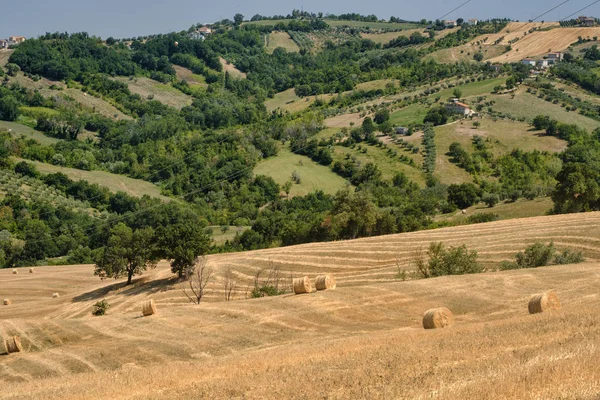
[442,261]
[491,199]
[541,255]
[100,308]
[482,218]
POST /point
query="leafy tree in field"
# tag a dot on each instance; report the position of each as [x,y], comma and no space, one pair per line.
[578,187]
[478,56]
[353,215]
[368,126]
[127,253]
[436,116]
[381,116]
[457,93]
[9,108]
[183,243]
[541,122]
[463,195]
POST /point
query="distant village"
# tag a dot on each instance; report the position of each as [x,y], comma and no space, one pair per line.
[11,41]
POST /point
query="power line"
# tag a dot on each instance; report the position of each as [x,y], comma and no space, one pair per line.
[550,10]
[455,9]
[578,11]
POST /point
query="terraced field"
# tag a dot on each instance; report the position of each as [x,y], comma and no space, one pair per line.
[363,340]
[280,39]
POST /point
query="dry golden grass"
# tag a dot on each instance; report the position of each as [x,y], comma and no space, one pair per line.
[4,56]
[184,74]
[363,340]
[541,43]
[233,71]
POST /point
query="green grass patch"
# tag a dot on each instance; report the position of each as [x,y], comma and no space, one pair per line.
[526,105]
[389,166]
[18,130]
[220,236]
[280,39]
[520,209]
[113,182]
[312,175]
[37,112]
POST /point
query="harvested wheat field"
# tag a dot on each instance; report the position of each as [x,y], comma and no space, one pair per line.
[363,340]
[541,43]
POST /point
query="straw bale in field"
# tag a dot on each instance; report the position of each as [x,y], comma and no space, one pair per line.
[325,282]
[544,302]
[438,318]
[302,285]
[148,307]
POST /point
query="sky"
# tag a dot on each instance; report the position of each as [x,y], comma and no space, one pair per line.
[128,18]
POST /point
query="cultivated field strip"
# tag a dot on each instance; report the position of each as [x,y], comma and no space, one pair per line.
[354,263]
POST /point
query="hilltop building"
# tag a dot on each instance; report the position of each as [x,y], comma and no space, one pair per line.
[16,39]
[3,44]
[456,107]
[586,21]
[201,33]
[473,21]
[450,24]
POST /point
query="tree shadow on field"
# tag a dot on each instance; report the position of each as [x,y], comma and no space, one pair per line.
[138,286]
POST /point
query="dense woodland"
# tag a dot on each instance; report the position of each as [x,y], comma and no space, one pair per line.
[203,156]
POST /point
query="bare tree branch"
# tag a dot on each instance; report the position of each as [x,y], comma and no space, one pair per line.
[198,280]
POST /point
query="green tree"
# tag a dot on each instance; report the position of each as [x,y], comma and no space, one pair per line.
[38,241]
[478,56]
[578,187]
[9,108]
[182,244]
[354,214]
[457,93]
[12,69]
[381,116]
[463,195]
[368,126]
[238,19]
[127,253]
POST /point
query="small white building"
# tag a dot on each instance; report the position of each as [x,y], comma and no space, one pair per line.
[528,61]
[543,64]
[3,44]
[456,107]
[553,58]
[401,130]
[450,24]
[473,21]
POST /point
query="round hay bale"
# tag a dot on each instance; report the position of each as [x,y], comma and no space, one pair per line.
[31,270]
[544,302]
[55,295]
[438,318]
[325,282]
[7,302]
[302,285]
[15,272]
[148,308]
[13,345]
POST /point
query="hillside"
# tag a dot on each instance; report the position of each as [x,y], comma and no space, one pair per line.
[113,182]
[542,42]
[364,339]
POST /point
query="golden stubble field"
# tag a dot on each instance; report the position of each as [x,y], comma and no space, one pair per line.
[363,340]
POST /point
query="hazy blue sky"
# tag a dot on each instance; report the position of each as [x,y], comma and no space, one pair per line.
[125,18]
